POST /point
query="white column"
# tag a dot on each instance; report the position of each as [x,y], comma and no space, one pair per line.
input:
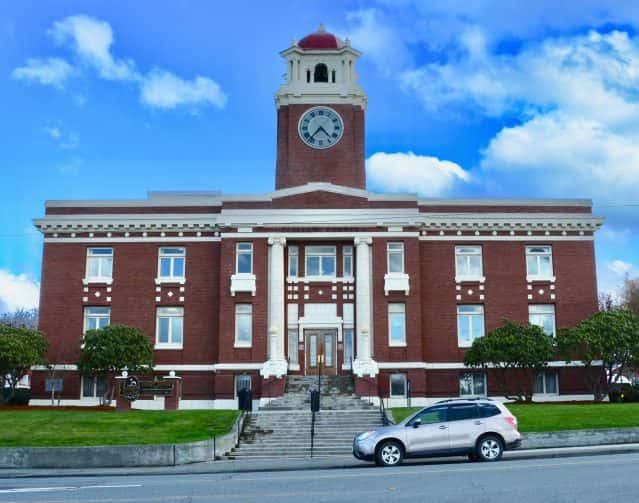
[276,363]
[363,364]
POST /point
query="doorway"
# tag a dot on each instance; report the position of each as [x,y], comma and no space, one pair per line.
[320,352]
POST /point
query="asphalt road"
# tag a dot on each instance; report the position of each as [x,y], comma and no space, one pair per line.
[577,479]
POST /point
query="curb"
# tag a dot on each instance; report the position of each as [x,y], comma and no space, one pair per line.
[305,464]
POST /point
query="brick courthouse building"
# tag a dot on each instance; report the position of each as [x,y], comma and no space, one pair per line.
[318,274]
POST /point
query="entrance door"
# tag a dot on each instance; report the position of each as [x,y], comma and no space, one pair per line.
[321,351]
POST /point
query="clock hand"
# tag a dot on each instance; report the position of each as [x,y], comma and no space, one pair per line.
[317,131]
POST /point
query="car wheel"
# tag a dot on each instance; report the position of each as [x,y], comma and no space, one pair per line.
[390,453]
[489,448]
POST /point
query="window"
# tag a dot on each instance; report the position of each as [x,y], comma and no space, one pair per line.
[347,261]
[243,325]
[172,263]
[348,346]
[308,76]
[242,381]
[96,318]
[169,327]
[333,76]
[99,264]
[244,254]
[293,261]
[470,324]
[93,386]
[395,252]
[468,263]
[546,383]
[462,412]
[543,315]
[432,415]
[320,261]
[398,385]
[488,410]
[396,324]
[472,384]
[321,73]
[293,353]
[539,262]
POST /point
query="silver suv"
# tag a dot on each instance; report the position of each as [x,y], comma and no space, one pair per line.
[479,428]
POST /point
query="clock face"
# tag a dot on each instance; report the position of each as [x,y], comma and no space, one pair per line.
[320,127]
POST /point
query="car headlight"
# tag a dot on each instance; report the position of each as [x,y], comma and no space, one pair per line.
[363,436]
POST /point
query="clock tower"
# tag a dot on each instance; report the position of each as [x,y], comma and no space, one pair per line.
[320,114]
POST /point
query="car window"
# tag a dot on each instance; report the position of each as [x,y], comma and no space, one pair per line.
[431,415]
[462,411]
[488,410]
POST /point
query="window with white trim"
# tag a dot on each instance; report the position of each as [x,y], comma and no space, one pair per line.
[539,262]
[93,386]
[543,315]
[395,257]
[171,263]
[320,261]
[347,261]
[468,262]
[169,327]
[397,385]
[472,384]
[96,318]
[244,258]
[243,325]
[242,381]
[99,264]
[546,383]
[293,261]
[397,324]
[348,346]
[470,324]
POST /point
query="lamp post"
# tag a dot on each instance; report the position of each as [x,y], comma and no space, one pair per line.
[320,359]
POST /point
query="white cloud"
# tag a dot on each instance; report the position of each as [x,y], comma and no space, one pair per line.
[66,140]
[425,175]
[611,275]
[92,39]
[53,132]
[163,89]
[380,42]
[52,71]
[574,97]
[18,291]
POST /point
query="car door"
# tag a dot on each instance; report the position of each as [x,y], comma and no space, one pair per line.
[464,425]
[427,432]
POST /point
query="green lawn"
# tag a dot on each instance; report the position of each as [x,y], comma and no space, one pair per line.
[548,417]
[72,427]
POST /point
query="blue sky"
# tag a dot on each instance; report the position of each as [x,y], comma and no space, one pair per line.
[466,98]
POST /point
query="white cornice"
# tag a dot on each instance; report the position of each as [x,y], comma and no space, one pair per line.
[503,202]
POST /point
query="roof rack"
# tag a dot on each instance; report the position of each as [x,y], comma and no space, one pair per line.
[471,399]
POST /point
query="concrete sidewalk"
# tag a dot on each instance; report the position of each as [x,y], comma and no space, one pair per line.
[298,464]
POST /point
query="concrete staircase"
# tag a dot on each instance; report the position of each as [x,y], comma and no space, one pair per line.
[283,427]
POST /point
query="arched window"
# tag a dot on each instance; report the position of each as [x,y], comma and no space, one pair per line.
[321,73]
[308,75]
[333,76]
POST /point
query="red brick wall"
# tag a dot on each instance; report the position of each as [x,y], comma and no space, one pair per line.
[298,164]
[258,352]
[381,349]
[506,294]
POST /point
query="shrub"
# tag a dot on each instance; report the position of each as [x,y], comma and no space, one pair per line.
[21,396]
[624,393]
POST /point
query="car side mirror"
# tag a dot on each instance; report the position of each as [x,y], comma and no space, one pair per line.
[417,423]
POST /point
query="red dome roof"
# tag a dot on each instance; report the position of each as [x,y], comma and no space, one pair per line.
[321,39]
